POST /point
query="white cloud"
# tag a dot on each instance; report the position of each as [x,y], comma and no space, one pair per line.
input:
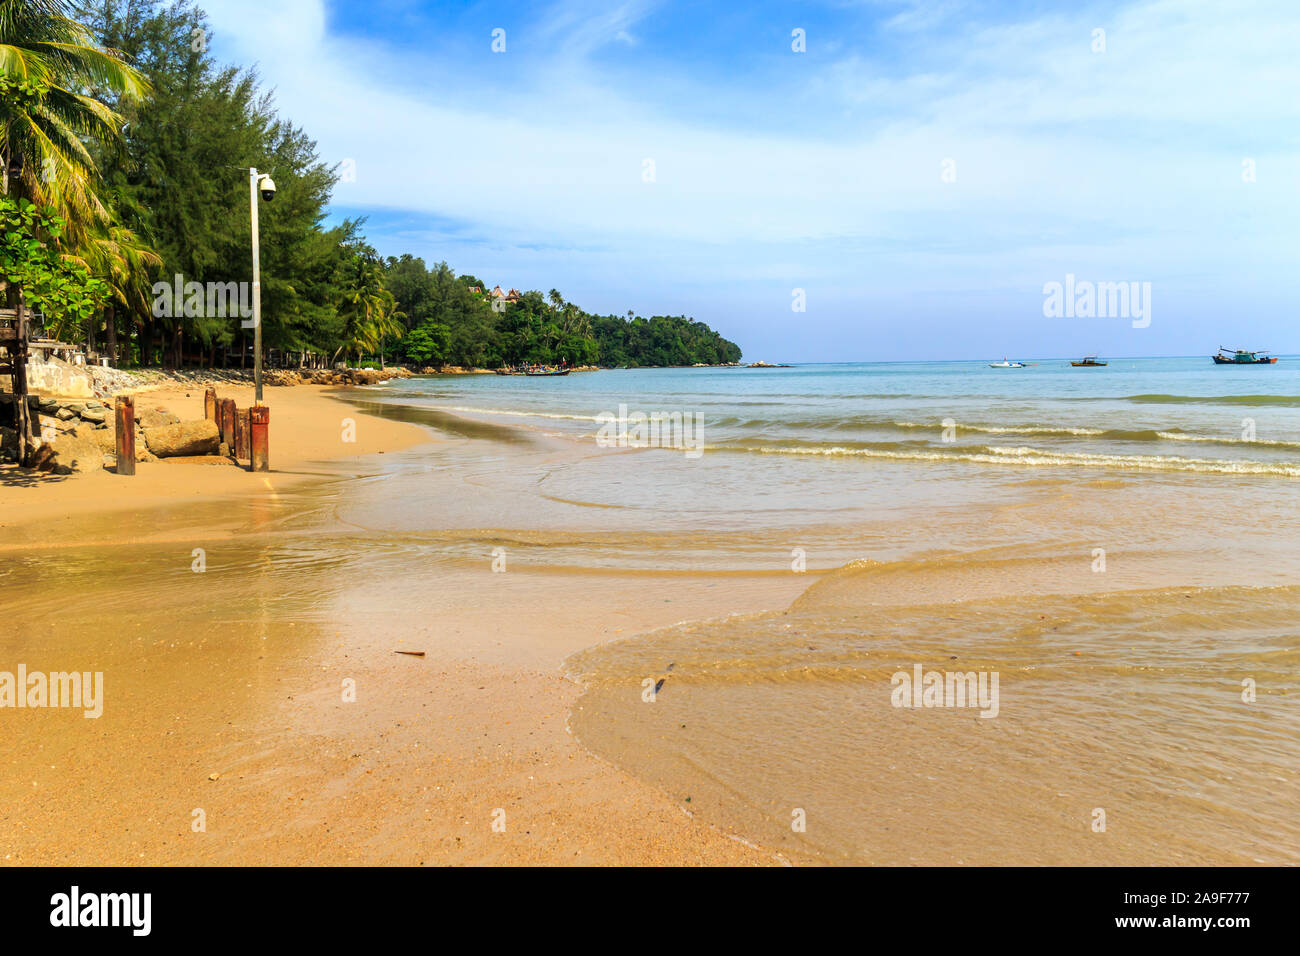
[1028,113]
[1122,164]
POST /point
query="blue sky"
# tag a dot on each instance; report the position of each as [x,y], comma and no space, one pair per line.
[920,172]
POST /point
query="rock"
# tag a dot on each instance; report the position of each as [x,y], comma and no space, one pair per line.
[42,458]
[76,450]
[223,450]
[97,415]
[156,418]
[106,439]
[199,437]
[65,414]
[47,405]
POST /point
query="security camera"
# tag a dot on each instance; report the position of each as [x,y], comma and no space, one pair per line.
[267,187]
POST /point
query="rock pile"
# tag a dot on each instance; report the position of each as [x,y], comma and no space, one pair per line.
[109,381]
[77,437]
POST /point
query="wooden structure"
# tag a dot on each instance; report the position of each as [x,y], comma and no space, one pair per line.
[244,431]
[226,423]
[243,436]
[14,339]
[125,438]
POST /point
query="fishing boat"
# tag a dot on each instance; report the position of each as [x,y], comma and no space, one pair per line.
[1005,364]
[1089,361]
[1242,357]
[547,371]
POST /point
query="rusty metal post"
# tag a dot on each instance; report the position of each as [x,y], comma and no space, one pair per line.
[125,424]
[241,434]
[210,404]
[227,422]
[22,410]
[259,426]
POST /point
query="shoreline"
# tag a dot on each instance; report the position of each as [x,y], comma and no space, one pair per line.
[306,440]
[299,776]
[224,689]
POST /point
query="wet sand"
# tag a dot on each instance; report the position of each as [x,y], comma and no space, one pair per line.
[225,738]
[227,689]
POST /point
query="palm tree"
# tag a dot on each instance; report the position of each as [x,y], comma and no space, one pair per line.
[369,310]
[117,255]
[49,66]
[576,322]
[387,324]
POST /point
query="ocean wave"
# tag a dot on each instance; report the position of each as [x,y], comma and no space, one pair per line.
[1032,457]
[1284,401]
[515,412]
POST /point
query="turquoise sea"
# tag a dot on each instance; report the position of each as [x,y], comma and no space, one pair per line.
[1163,414]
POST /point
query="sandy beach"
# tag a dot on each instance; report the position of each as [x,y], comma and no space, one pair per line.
[225,698]
[308,428]
[258,706]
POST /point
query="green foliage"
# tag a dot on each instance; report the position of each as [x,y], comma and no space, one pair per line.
[61,289]
[152,141]
[452,325]
[429,344]
[181,176]
[368,309]
[51,70]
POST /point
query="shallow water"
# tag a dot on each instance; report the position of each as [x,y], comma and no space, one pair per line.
[1121,589]
[1120,586]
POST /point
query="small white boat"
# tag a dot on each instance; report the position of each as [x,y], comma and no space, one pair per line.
[1005,364]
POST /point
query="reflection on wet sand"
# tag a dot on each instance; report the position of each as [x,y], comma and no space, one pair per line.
[1121,689]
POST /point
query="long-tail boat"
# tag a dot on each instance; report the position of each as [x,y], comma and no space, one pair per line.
[1243,357]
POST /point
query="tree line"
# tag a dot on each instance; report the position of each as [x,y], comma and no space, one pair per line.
[125,150]
[456,320]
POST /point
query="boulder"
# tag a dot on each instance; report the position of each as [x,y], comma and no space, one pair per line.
[156,418]
[96,415]
[65,414]
[106,439]
[43,458]
[77,451]
[199,437]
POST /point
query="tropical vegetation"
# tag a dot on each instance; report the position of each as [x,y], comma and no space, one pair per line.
[124,157]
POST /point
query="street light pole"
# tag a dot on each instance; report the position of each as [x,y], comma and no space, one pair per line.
[253,178]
